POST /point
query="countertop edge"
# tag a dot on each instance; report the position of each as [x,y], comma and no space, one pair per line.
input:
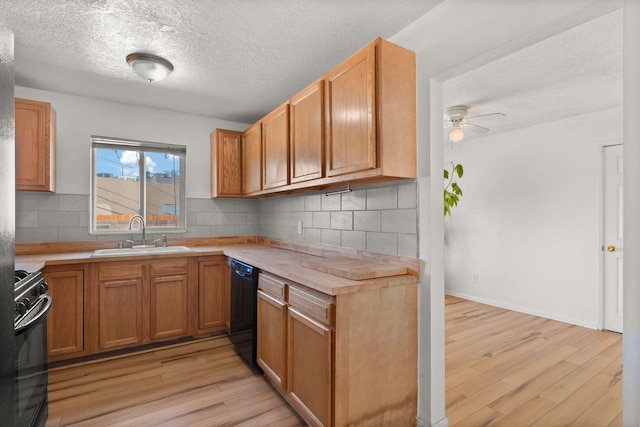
[276,260]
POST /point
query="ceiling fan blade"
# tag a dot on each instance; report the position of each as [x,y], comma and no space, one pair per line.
[488,116]
[475,128]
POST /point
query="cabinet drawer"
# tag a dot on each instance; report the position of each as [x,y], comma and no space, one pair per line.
[169,268]
[320,308]
[120,270]
[272,286]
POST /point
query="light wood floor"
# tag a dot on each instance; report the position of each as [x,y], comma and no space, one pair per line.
[203,383]
[505,368]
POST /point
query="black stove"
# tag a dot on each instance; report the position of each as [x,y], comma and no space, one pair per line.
[29,289]
[32,303]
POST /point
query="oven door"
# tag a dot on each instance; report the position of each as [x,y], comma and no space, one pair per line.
[31,377]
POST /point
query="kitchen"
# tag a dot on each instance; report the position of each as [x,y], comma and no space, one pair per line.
[92,117]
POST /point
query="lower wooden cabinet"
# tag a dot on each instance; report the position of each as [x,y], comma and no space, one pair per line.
[350,359]
[111,305]
[168,300]
[213,295]
[65,321]
[295,347]
[141,302]
[120,304]
[309,353]
[120,313]
[272,338]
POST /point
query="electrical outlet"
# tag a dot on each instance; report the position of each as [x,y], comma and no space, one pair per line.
[475,277]
[299,227]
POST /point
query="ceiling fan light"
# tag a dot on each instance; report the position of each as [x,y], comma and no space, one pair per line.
[150,67]
[456,134]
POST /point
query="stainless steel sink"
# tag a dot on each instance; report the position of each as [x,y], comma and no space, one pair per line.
[141,250]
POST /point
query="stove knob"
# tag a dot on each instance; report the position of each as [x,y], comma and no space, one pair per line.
[22,306]
[39,289]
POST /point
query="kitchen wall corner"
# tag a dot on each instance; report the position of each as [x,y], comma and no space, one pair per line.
[379,219]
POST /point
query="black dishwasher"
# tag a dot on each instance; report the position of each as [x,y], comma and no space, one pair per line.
[244,294]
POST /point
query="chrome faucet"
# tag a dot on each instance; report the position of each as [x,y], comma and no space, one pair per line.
[139,217]
[163,241]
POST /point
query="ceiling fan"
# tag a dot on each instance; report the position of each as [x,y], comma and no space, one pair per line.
[456,118]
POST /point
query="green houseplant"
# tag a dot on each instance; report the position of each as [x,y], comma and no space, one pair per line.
[452,191]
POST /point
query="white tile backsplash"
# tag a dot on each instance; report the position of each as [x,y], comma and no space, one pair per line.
[374,219]
[382,198]
[380,219]
[366,220]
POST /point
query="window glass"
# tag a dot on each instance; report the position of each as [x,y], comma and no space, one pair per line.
[137,178]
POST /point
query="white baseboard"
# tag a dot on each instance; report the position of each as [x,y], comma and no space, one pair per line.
[442,423]
[526,310]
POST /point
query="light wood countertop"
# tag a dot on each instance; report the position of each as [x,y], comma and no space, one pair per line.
[279,260]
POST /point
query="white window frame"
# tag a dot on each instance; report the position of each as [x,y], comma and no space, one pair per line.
[142,147]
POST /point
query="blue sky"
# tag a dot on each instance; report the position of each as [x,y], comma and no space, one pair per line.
[124,163]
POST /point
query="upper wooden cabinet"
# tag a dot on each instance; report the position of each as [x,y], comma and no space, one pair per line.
[226,163]
[252,159]
[35,146]
[371,113]
[275,148]
[356,125]
[307,134]
[351,126]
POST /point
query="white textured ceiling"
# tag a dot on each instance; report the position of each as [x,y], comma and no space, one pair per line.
[239,59]
[575,72]
[233,59]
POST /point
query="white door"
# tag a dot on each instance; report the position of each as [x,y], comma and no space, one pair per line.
[612,247]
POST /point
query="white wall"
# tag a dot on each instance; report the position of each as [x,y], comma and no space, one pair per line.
[78,118]
[631,101]
[528,220]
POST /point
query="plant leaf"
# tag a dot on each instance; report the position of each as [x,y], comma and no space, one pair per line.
[459,170]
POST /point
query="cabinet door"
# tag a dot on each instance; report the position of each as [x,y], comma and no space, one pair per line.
[275,148]
[120,313]
[226,163]
[35,145]
[272,332]
[351,129]
[65,321]
[309,367]
[168,307]
[307,133]
[213,296]
[252,159]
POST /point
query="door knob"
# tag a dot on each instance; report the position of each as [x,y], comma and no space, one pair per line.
[611,248]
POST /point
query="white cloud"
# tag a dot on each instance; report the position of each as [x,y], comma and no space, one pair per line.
[129,159]
[150,164]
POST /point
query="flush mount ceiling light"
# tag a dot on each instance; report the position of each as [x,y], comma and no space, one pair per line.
[456,133]
[150,67]
[457,117]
